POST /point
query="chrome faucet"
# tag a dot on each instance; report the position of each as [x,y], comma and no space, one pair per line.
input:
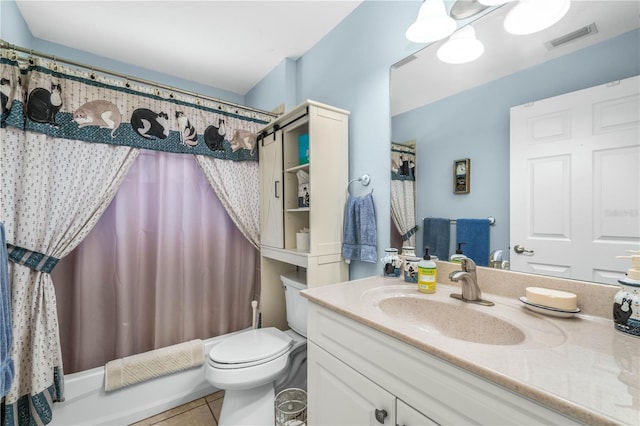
[469,281]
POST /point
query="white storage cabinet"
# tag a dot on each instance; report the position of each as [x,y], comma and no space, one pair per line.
[281,217]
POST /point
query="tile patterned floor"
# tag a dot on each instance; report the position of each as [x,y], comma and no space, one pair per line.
[201,412]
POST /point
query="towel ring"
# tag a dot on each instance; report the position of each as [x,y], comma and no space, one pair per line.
[365,179]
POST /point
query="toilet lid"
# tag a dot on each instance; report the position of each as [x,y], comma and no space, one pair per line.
[251,346]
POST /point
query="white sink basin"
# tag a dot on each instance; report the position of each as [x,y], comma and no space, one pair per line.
[430,316]
[455,321]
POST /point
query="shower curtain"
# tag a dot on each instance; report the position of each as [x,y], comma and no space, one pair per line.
[403,204]
[164,264]
[68,138]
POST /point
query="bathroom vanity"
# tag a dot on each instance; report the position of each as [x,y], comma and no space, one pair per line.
[379,352]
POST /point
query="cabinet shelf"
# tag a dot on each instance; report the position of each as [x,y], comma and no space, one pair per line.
[299,209]
[292,257]
[296,168]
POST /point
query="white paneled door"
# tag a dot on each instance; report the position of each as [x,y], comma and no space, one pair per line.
[575,182]
[271,225]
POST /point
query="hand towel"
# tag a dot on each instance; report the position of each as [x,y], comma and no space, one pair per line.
[6,334]
[360,230]
[475,234]
[436,235]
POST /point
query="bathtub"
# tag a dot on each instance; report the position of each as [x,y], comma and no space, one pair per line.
[86,401]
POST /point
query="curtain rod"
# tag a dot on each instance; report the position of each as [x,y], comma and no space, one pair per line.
[31,52]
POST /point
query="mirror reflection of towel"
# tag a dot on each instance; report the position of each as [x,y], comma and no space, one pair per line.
[7,370]
[360,230]
[436,234]
[475,233]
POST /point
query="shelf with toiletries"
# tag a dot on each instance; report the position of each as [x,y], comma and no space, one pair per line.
[302,207]
[298,167]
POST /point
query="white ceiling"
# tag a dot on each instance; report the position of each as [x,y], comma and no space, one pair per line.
[426,79]
[233,44]
[230,45]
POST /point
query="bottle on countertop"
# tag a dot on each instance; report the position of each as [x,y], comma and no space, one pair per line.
[455,258]
[391,263]
[427,274]
[626,302]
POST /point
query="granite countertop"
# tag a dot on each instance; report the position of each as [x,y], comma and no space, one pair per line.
[580,366]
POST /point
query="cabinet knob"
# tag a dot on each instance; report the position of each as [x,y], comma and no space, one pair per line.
[381,415]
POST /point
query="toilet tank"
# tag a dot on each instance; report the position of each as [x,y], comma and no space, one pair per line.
[296,305]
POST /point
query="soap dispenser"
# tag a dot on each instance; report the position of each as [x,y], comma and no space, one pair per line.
[427,274]
[626,302]
[455,258]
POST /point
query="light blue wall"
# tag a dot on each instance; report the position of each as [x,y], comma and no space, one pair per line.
[349,68]
[278,87]
[475,124]
[132,70]
[13,29]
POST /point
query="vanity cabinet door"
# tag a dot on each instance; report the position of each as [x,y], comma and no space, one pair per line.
[271,198]
[409,416]
[339,395]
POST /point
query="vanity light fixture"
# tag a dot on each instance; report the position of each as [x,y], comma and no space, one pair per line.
[494,2]
[531,16]
[462,47]
[432,23]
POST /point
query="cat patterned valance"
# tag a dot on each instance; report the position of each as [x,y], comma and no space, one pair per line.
[403,162]
[42,96]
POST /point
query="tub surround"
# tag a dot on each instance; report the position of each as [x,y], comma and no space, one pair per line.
[86,402]
[590,374]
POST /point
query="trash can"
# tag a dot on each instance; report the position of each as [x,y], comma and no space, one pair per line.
[291,407]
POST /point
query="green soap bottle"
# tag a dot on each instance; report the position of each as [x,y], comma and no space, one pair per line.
[427,274]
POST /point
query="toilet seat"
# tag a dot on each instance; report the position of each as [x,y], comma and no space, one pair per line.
[250,348]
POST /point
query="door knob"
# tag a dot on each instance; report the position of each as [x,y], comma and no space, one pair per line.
[520,249]
[381,415]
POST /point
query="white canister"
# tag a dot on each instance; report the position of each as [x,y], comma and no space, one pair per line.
[302,241]
[408,251]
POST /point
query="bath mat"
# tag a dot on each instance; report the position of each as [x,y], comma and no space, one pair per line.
[148,365]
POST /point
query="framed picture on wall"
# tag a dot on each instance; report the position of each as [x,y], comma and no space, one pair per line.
[462,176]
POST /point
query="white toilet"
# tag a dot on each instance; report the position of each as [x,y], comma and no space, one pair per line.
[251,366]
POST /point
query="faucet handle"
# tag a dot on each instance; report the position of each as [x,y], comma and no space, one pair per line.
[467,264]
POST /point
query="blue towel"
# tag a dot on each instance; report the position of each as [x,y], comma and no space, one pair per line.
[6,363]
[475,234]
[436,234]
[360,229]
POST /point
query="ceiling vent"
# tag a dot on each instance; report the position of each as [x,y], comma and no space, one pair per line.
[588,30]
[403,62]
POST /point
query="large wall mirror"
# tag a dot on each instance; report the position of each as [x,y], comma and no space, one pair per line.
[464,111]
